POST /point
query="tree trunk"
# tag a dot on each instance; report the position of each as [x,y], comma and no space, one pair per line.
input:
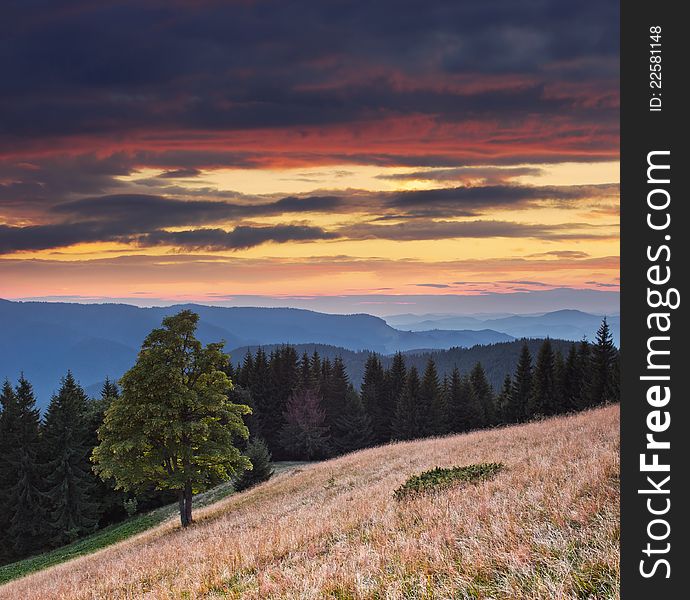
[183,511]
[188,502]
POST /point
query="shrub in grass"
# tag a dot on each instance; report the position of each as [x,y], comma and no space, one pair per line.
[440,478]
[261,470]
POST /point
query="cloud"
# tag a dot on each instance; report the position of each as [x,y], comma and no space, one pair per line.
[432,285]
[240,238]
[437,230]
[186,73]
[562,254]
[179,173]
[486,175]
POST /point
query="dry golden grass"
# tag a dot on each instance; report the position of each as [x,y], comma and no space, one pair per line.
[547,526]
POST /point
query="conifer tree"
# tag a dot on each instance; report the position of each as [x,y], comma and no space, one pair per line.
[305,374]
[405,424]
[283,380]
[9,417]
[542,401]
[602,364]
[260,389]
[583,366]
[305,434]
[28,523]
[431,410]
[504,402]
[571,381]
[334,395]
[352,431]
[522,386]
[261,469]
[465,411]
[69,479]
[482,395]
[395,378]
[373,391]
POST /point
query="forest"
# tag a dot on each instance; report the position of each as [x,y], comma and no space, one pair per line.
[303,407]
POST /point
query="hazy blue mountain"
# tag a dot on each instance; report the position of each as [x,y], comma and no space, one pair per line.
[563,324]
[97,340]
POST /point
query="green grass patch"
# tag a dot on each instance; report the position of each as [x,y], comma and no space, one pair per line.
[439,479]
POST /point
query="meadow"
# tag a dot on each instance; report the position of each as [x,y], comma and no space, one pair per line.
[545,526]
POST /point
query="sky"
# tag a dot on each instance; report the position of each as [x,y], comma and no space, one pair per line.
[190,151]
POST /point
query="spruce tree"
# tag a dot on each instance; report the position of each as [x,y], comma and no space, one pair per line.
[584,377]
[395,378]
[602,364]
[259,386]
[334,395]
[522,386]
[405,424]
[504,402]
[482,395]
[465,410]
[69,479]
[283,380]
[352,431]
[258,454]
[431,411]
[9,425]
[28,523]
[542,401]
[305,434]
[373,391]
[571,381]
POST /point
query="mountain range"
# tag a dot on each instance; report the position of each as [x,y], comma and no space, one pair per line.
[44,339]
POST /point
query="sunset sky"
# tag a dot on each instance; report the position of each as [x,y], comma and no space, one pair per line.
[183,150]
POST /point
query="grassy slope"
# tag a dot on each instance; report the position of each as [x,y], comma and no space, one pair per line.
[116,533]
[547,526]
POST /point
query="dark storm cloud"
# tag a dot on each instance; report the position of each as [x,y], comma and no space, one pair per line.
[178,173]
[240,238]
[77,68]
[158,211]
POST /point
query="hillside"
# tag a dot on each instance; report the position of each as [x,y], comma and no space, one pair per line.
[545,527]
[45,339]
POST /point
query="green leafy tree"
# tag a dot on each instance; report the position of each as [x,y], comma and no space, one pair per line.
[174,425]
[69,480]
[261,468]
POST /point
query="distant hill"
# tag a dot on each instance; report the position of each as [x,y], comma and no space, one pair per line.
[563,324]
[44,339]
